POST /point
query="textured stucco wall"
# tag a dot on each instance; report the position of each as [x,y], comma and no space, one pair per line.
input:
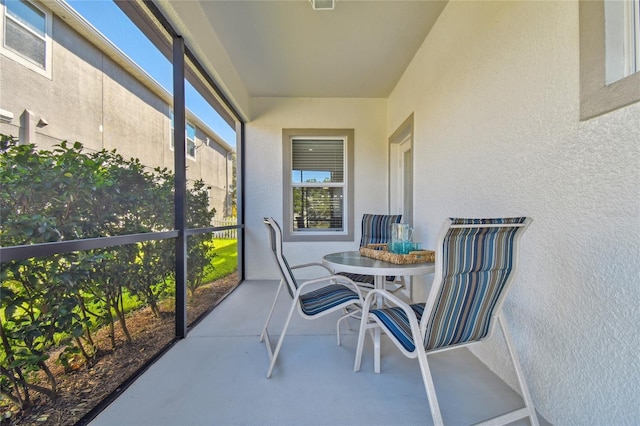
[495,93]
[70,101]
[263,192]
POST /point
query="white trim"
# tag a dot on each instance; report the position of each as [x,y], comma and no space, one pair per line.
[597,95]
[396,175]
[400,142]
[403,147]
[634,34]
[631,30]
[48,41]
[6,116]
[621,39]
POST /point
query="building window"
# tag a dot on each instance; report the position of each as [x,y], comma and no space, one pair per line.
[633,34]
[172,142]
[317,193]
[191,139]
[609,55]
[622,39]
[26,35]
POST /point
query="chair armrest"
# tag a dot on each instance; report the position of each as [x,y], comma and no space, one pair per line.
[346,282]
[395,300]
[371,298]
[307,265]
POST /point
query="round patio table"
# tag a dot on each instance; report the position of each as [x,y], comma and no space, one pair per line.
[355,263]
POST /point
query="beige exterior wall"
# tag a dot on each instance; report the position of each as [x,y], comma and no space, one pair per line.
[92,99]
[495,93]
[263,159]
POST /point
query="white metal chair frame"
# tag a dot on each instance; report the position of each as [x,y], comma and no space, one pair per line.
[351,308]
[419,330]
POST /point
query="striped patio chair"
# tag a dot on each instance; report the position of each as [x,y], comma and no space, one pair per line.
[339,294]
[376,229]
[476,261]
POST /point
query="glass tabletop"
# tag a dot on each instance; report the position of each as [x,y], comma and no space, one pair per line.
[354,262]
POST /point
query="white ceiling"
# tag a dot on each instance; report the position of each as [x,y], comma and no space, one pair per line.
[286,49]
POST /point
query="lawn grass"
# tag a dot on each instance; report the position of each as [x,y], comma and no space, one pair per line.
[225,262]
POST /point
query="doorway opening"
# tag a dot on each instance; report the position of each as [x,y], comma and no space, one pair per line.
[401,171]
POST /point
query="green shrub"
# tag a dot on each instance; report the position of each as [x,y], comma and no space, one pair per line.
[66,194]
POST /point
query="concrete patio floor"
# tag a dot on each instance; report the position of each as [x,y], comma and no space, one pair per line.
[217,376]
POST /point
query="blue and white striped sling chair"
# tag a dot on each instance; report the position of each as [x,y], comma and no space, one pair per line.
[476,261]
[311,299]
[376,229]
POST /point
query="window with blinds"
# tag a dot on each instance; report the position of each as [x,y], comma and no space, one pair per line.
[25,32]
[190,133]
[191,141]
[317,183]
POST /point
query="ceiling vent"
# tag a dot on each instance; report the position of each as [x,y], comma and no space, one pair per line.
[323,4]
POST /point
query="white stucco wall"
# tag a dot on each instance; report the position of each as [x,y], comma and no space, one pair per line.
[495,93]
[264,170]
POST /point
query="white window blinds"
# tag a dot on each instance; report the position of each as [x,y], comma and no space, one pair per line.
[317,161]
[317,177]
[25,31]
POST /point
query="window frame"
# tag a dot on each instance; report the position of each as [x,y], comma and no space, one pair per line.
[172,143]
[288,233]
[597,97]
[635,31]
[21,58]
[191,141]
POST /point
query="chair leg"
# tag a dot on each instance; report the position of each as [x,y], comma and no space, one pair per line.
[522,381]
[346,316]
[403,284]
[281,339]
[346,311]
[273,306]
[358,361]
[521,413]
[427,379]
[364,326]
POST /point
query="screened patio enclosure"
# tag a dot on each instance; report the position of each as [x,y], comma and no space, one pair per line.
[500,108]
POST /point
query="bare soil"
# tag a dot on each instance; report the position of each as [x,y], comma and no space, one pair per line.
[83,388]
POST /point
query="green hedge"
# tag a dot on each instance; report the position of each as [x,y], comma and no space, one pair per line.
[65,194]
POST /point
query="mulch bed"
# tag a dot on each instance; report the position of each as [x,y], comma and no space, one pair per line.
[85,387]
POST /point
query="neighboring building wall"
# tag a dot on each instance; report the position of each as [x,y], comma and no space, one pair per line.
[214,164]
[494,91]
[71,102]
[92,99]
